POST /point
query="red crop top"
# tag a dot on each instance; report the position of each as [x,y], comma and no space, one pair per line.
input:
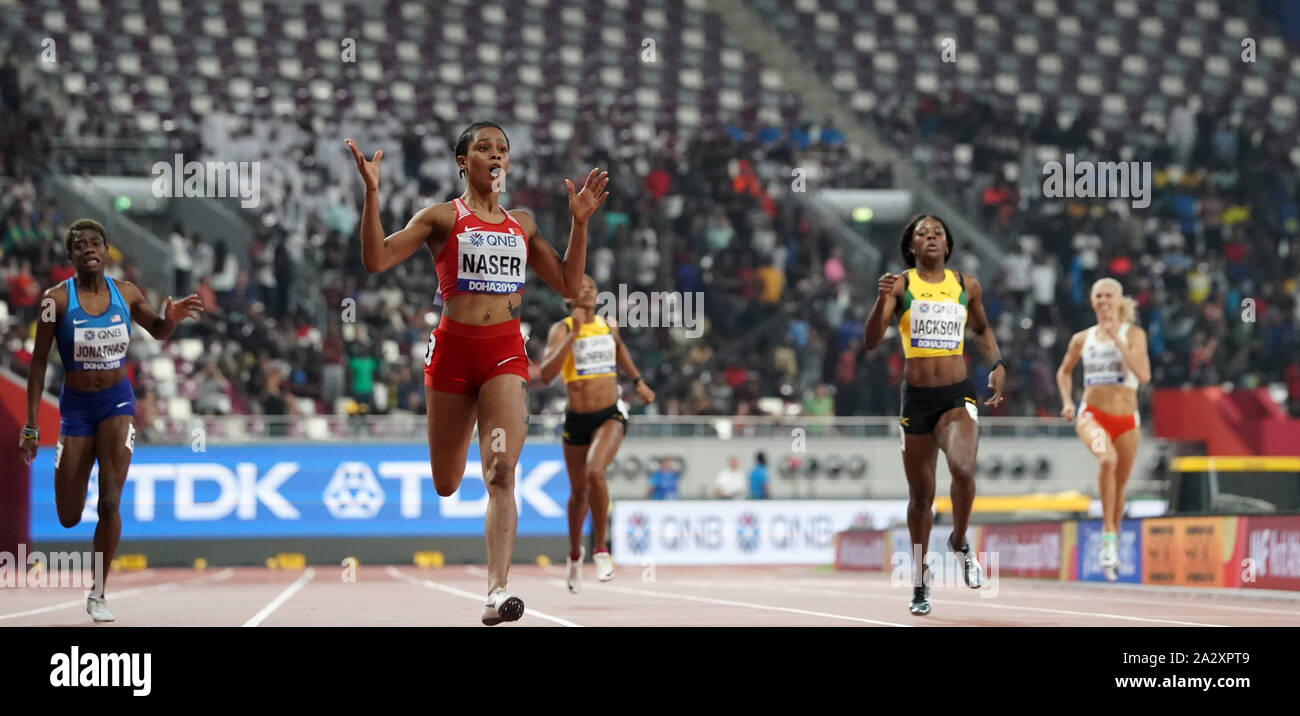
[482,257]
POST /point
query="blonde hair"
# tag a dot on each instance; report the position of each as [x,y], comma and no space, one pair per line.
[1126,307]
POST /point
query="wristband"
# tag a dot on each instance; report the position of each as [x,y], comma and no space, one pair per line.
[1000,362]
[636,380]
[31,433]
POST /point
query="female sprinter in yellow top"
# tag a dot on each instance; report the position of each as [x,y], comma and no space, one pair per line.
[1115,365]
[586,348]
[934,304]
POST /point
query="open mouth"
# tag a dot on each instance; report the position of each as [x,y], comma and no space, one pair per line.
[495,169]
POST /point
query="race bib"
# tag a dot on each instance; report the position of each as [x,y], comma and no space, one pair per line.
[937,325]
[1102,366]
[490,261]
[100,348]
[594,355]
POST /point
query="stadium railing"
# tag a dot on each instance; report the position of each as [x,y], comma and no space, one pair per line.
[408,427]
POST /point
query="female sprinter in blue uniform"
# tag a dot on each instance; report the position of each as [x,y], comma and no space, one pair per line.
[476,365]
[91,322]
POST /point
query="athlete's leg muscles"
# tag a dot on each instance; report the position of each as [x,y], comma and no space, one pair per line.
[920,455]
[114,445]
[502,410]
[604,446]
[1126,447]
[451,425]
[958,437]
[1100,445]
[575,459]
[74,456]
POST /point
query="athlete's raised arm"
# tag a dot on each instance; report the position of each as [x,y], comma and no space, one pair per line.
[380,252]
[1133,351]
[559,342]
[160,327]
[889,288]
[565,277]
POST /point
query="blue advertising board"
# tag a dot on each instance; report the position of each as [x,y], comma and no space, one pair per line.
[1130,551]
[304,490]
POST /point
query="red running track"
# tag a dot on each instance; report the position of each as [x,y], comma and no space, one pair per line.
[686,596]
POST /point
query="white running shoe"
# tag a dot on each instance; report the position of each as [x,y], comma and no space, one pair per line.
[502,606]
[1108,559]
[97,608]
[971,570]
[604,566]
[574,579]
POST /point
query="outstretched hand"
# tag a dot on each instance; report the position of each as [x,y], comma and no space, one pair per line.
[189,307]
[369,169]
[585,202]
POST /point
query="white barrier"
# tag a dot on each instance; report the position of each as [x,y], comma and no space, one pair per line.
[720,532]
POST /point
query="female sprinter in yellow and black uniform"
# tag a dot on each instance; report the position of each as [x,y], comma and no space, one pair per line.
[586,349]
[935,306]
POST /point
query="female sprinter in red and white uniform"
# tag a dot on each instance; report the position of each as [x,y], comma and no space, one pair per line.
[476,367]
[1115,364]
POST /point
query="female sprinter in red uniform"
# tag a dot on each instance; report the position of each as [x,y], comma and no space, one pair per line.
[1115,365]
[91,323]
[476,367]
[587,349]
[938,411]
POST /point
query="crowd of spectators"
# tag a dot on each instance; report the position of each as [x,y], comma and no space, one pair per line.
[296,326]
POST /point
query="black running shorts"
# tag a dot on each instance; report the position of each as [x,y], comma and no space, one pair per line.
[922,407]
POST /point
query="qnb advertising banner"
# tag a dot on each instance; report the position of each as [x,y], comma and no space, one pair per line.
[682,532]
[304,491]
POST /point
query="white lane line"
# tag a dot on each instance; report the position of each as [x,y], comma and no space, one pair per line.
[986,602]
[528,611]
[164,587]
[1090,591]
[281,598]
[728,603]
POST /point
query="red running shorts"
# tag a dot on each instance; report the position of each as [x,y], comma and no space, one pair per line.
[461,357]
